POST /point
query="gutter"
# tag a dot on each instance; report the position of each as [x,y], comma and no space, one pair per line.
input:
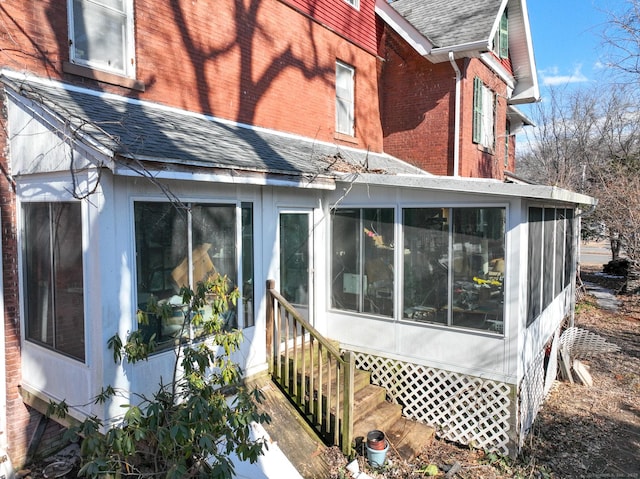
[456,127]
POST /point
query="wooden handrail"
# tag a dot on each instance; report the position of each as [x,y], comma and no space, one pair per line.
[317,377]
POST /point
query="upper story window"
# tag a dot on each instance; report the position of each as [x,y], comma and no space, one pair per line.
[354,3]
[501,42]
[345,119]
[53,277]
[101,35]
[484,106]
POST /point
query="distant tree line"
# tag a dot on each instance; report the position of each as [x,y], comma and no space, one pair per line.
[588,140]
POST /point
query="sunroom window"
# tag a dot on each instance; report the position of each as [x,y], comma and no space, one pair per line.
[178,247]
[101,34]
[454,266]
[53,277]
[363,253]
[551,256]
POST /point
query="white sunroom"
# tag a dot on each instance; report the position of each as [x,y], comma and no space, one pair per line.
[449,290]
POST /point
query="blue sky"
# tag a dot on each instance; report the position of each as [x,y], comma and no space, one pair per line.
[567,39]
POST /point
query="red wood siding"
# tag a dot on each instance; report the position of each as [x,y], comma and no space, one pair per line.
[356,24]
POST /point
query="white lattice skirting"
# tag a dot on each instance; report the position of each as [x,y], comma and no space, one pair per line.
[464,409]
[532,394]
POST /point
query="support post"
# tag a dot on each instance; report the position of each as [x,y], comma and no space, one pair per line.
[271,284]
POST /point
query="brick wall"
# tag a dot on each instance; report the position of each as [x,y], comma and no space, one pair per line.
[262,63]
[418,112]
[475,160]
[18,416]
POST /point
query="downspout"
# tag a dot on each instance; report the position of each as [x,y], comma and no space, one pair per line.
[456,124]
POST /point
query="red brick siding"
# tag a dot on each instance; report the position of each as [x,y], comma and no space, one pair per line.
[261,63]
[18,415]
[419,109]
[476,161]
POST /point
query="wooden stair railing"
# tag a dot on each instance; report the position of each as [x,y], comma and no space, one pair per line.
[317,377]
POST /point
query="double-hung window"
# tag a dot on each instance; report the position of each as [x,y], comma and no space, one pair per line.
[53,277]
[484,105]
[101,35]
[345,118]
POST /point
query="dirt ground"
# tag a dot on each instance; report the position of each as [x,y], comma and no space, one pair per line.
[580,432]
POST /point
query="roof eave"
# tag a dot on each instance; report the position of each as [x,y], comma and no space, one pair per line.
[477,186]
[402,27]
[464,50]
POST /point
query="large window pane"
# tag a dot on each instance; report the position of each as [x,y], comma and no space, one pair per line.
[569,249]
[178,247]
[378,260]
[54,276]
[247,264]
[426,254]
[346,284]
[548,257]
[559,252]
[477,261]
[362,263]
[161,251]
[534,293]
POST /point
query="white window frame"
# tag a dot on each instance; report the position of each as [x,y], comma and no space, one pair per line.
[354,3]
[128,48]
[345,99]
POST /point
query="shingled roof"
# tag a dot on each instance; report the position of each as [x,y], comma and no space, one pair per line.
[451,22]
[150,132]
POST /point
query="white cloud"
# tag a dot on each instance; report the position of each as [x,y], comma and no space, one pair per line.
[551,76]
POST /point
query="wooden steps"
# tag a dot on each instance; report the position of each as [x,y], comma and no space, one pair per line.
[372,411]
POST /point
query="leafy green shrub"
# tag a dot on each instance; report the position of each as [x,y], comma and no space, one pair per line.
[188,428]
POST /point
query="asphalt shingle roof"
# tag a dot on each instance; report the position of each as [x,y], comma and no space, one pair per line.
[450,22]
[148,131]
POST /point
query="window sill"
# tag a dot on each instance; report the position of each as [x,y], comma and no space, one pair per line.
[102,76]
[485,149]
[345,137]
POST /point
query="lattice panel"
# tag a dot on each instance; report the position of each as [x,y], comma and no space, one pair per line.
[583,344]
[531,396]
[464,409]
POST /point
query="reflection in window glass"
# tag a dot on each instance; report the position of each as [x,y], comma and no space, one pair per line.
[426,255]
[247,264]
[477,261]
[168,258]
[100,34]
[54,276]
[362,263]
[534,293]
[548,256]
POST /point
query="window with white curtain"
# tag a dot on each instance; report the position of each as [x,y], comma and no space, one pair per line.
[345,98]
[101,34]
